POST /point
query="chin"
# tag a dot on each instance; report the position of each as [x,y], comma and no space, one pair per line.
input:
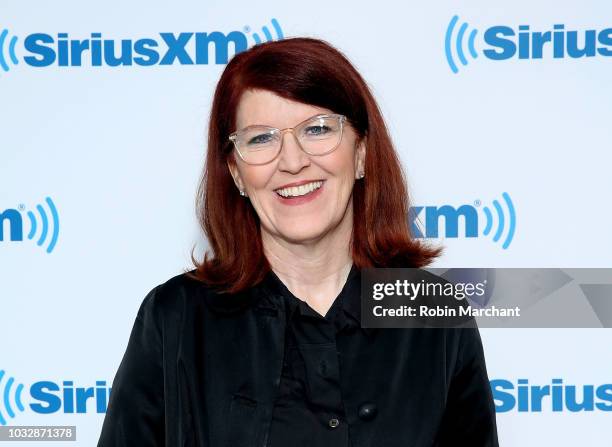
[296,235]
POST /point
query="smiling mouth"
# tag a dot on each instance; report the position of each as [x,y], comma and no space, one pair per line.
[299,191]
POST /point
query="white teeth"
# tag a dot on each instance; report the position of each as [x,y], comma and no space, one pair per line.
[301,190]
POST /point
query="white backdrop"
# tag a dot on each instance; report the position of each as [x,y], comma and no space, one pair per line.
[118,150]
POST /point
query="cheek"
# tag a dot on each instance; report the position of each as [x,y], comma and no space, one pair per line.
[257,177]
[341,162]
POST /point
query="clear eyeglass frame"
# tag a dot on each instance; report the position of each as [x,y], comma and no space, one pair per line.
[234,136]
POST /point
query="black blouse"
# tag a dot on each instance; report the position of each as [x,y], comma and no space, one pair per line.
[203,369]
[309,410]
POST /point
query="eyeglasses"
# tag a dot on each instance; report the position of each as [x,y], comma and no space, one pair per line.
[317,135]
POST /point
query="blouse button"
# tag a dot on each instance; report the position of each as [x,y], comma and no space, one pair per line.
[323,368]
[368,411]
[334,422]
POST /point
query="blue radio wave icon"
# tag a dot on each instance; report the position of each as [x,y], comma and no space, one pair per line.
[501,220]
[45,223]
[459,44]
[11,50]
[267,34]
[6,394]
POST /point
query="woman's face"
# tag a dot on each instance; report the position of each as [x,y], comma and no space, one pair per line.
[314,215]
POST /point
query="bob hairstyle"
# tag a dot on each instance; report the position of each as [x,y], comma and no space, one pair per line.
[309,71]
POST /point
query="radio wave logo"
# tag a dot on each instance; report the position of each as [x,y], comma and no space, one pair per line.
[60,49]
[44,224]
[499,220]
[503,42]
[461,41]
[9,393]
[10,50]
[267,34]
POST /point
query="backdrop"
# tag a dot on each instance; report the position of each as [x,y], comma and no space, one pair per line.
[500,113]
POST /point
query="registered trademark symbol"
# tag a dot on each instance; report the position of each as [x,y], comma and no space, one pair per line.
[247,29]
[477,202]
[21,207]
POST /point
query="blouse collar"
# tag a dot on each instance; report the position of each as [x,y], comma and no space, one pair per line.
[349,296]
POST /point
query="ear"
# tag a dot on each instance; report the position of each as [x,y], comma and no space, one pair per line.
[231,164]
[360,156]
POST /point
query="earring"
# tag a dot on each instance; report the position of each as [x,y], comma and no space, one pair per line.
[361,174]
[242,193]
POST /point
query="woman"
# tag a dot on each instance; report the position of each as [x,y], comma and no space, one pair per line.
[261,344]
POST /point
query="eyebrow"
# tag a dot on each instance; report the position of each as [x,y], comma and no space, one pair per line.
[300,122]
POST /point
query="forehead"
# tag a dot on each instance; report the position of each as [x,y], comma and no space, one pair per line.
[266,108]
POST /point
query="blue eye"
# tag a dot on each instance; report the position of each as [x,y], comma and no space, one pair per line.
[317,130]
[259,139]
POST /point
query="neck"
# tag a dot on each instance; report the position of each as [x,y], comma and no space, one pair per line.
[314,271]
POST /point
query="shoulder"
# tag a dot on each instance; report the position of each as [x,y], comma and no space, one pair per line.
[180,284]
[461,334]
[426,275]
[173,296]
[182,294]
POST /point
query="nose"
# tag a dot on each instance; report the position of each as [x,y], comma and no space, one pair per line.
[292,158]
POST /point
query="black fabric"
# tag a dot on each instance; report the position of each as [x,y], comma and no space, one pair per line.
[203,369]
[309,410]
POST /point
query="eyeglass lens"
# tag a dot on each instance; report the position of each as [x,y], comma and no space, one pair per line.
[260,144]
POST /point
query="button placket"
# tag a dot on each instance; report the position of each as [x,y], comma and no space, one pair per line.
[323,368]
[316,365]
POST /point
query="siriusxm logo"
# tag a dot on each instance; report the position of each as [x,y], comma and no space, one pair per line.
[505,42]
[48,397]
[499,222]
[185,48]
[44,223]
[556,396]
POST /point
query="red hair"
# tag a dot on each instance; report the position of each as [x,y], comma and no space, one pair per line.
[313,72]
